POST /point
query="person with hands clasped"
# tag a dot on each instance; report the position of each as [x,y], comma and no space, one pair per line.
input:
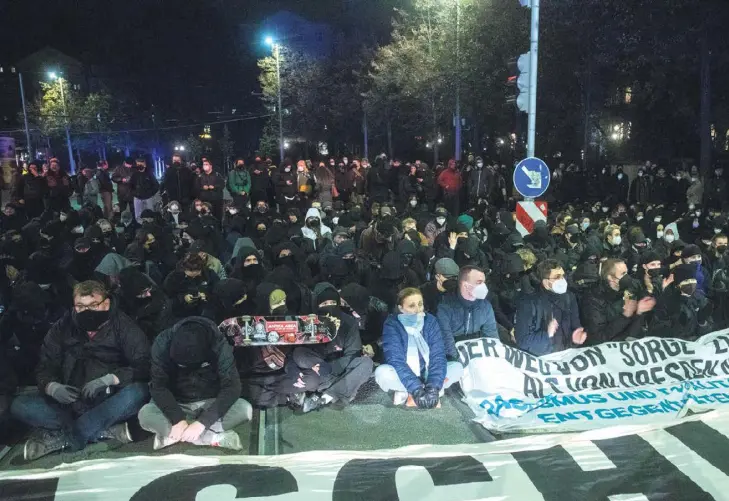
[92,376]
[416,368]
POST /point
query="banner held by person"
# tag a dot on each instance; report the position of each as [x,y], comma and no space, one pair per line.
[633,382]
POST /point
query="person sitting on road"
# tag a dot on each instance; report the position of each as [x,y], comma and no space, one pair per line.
[416,368]
[92,377]
[195,388]
[549,320]
[466,312]
[444,281]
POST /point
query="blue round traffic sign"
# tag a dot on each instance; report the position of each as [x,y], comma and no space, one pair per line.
[531,177]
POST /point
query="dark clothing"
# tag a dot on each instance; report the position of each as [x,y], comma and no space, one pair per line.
[216,378]
[213,179]
[122,176]
[533,316]
[177,285]
[679,316]
[459,317]
[104,178]
[177,183]
[69,356]
[602,315]
[143,184]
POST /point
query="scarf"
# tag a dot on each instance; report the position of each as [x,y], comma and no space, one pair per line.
[417,346]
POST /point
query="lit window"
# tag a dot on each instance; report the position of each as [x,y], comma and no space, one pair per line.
[628,95]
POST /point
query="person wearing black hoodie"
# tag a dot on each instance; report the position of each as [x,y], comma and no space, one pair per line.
[144,187]
[286,185]
[33,190]
[341,365]
[194,378]
[145,302]
[231,300]
[177,183]
[190,286]
[248,264]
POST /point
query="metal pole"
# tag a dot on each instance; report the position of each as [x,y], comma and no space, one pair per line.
[277,49]
[72,162]
[31,154]
[458,81]
[365,132]
[532,134]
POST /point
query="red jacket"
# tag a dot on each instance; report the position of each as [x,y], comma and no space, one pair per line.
[450,180]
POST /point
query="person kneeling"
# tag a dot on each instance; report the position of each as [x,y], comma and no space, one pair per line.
[194,377]
[416,368]
[92,375]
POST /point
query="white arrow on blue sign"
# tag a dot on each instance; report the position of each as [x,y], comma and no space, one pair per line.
[531,177]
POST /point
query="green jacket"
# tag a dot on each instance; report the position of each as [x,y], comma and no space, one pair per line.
[239,180]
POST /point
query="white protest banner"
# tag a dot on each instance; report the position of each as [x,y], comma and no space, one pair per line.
[686,461]
[649,380]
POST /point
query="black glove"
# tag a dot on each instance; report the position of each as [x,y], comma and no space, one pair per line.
[418,396]
[431,398]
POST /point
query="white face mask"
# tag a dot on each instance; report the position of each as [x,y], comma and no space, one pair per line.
[479,164]
[77,230]
[620,176]
[605,209]
[585,225]
[480,291]
[440,220]
[413,203]
[233,211]
[669,238]
[617,240]
[640,174]
[717,231]
[692,206]
[335,220]
[62,217]
[659,234]
[639,218]
[657,219]
[560,286]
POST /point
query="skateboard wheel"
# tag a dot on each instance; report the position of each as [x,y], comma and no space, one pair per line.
[273,337]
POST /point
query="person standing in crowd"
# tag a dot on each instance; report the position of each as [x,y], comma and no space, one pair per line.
[717,194]
[209,188]
[640,188]
[239,183]
[621,185]
[145,188]
[549,320]
[195,388]
[33,189]
[178,183]
[106,188]
[466,313]
[695,191]
[122,176]
[59,188]
[450,182]
[92,377]
[416,369]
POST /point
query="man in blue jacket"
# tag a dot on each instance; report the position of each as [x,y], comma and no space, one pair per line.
[466,313]
[549,320]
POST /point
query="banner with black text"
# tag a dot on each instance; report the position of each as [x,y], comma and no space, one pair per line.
[650,380]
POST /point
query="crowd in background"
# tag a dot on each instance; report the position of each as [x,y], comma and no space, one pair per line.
[114,282]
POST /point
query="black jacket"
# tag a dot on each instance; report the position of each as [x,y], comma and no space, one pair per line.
[143,183]
[178,183]
[177,285]
[216,379]
[679,316]
[602,316]
[533,315]
[212,179]
[68,356]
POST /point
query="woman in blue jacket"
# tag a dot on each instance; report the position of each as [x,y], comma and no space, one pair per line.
[416,368]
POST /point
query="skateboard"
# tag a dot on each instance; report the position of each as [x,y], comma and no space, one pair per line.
[253,330]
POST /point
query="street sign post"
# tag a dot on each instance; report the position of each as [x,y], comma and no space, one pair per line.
[531,178]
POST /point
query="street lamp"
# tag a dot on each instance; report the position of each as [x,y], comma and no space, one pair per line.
[72,163]
[277,54]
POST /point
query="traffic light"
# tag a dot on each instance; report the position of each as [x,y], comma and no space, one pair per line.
[522,82]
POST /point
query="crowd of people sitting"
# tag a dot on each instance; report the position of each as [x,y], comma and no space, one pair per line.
[112,310]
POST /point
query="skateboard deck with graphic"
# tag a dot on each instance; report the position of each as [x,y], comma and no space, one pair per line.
[252,330]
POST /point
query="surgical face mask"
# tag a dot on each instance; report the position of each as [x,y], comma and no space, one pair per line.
[657,219]
[411,319]
[62,217]
[300,169]
[584,225]
[560,286]
[335,220]
[440,221]
[78,230]
[620,176]
[413,203]
[617,240]
[693,179]
[605,209]
[698,213]
[692,206]
[480,291]
[233,212]
[287,169]
[479,164]
[659,234]
[640,173]
[717,231]
[639,218]
[669,238]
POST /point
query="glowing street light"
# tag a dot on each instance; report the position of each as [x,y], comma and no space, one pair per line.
[52,75]
[440,140]
[269,41]
[277,54]
[56,76]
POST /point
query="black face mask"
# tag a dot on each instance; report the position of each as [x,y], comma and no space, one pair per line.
[262,209]
[287,261]
[280,311]
[90,320]
[688,289]
[176,164]
[315,223]
[450,285]
[655,273]
[721,249]
[334,311]
[627,283]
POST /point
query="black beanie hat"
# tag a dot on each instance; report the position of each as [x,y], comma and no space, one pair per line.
[683,272]
[190,344]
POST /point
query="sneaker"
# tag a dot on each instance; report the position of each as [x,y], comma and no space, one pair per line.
[227,440]
[162,442]
[297,400]
[118,432]
[44,443]
[400,398]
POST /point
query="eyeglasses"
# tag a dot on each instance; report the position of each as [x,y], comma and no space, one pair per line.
[83,307]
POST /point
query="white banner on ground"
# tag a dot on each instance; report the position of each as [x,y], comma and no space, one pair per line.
[686,461]
[651,380]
